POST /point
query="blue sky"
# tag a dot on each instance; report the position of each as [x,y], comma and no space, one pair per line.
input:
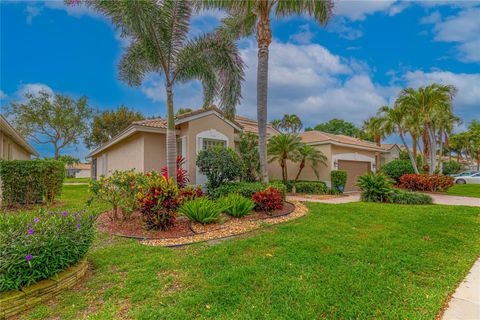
[369,51]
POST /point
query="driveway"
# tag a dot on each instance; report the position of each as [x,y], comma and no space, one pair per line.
[454,200]
[351,197]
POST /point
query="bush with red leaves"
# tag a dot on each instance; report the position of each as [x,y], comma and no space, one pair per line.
[182,175]
[425,182]
[268,200]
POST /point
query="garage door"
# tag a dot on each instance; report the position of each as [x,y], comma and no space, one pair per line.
[354,170]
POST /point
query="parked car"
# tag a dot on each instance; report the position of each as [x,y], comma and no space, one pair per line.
[464,173]
[468,179]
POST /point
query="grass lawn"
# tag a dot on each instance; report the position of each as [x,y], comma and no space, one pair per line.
[466,190]
[347,261]
[77,180]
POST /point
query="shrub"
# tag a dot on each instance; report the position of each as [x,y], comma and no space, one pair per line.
[396,168]
[220,165]
[120,191]
[248,150]
[246,189]
[375,187]
[37,246]
[202,210]
[339,180]
[268,200]
[182,175]
[311,187]
[425,182]
[30,181]
[159,200]
[452,167]
[409,198]
[237,205]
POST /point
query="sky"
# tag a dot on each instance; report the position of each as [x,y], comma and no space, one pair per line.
[360,61]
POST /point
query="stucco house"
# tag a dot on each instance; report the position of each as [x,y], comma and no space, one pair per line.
[79,170]
[12,145]
[142,146]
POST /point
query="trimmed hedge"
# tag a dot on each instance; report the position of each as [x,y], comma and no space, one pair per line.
[409,198]
[339,180]
[30,181]
[311,187]
[396,168]
[246,189]
[36,246]
[451,167]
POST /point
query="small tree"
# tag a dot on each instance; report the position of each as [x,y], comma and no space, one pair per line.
[282,148]
[220,165]
[248,148]
[58,120]
[108,124]
[307,153]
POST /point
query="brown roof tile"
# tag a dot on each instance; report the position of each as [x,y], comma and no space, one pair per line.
[318,136]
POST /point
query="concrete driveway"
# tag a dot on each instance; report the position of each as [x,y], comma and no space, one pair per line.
[454,200]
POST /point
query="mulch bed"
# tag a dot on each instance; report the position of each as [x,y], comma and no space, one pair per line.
[184,232]
[135,228]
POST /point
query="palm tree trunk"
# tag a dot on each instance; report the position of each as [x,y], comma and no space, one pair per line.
[414,146]
[302,165]
[264,37]
[425,146]
[440,152]
[432,149]
[171,136]
[409,152]
[286,172]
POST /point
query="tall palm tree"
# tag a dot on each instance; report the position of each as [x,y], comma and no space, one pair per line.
[160,44]
[444,123]
[281,148]
[253,16]
[373,127]
[290,123]
[307,153]
[393,121]
[428,102]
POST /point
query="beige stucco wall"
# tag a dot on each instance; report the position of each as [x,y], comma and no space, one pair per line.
[125,155]
[275,171]
[193,128]
[17,152]
[155,151]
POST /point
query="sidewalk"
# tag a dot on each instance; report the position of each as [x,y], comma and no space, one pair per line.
[465,302]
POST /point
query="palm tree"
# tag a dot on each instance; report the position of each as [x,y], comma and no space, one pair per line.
[281,148]
[253,16]
[444,123]
[428,102]
[392,120]
[373,127]
[159,43]
[290,123]
[307,153]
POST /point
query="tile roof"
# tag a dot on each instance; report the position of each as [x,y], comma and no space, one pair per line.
[154,123]
[81,166]
[318,136]
[250,125]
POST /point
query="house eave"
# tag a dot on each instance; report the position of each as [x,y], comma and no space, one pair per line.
[348,145]
[11,132]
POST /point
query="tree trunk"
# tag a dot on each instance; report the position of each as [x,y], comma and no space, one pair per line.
[56,153]
[282,165]
[414,146]
[302,165]
[286,169]
[171,137]
[409,152]
[432,149]
[264,37]
[425,146]
[440,152]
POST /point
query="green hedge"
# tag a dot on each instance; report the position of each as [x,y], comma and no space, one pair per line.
[396,168]
[451,167]
[36,246]
[409,198]
[246,189]
[30,181]
[311,187]
[339,180]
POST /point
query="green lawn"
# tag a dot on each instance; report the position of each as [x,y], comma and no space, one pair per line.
[466,190]
[345,261]
[77,180]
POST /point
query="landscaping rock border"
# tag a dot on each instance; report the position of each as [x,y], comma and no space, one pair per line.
[233,227]
[16,301]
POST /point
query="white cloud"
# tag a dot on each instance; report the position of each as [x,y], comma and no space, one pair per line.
[33,88]
[358,10]
[462,28]
[78,10]
[304,35]
[32,11]
[340,26]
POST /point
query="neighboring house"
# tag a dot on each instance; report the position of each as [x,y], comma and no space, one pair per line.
[392,152]
[12,145]
[79,170]
[142,145]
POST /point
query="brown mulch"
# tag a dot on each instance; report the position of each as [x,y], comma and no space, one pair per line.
[260,215]
[135,228]
[230,228]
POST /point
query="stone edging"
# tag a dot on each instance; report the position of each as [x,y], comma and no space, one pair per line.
[230,231]
[16,301]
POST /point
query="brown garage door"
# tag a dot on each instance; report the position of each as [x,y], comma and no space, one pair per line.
[354,170]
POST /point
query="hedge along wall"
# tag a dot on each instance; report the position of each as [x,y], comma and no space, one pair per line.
[30,181]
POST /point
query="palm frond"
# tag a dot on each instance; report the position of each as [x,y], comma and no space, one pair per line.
[320,10]
[135,64]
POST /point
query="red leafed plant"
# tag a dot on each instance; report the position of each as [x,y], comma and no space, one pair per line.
[182,175]
[425,182]
[268,200]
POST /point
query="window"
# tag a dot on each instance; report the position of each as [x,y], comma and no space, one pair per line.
[209,143]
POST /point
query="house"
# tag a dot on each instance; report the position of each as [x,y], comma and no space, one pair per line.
[142,146]
[79,170]
[12,145]
[392,152]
